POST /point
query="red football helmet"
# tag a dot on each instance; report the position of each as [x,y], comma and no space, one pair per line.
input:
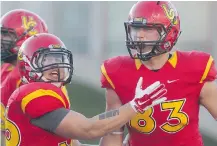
[41,53]
[16,26]
[161,16]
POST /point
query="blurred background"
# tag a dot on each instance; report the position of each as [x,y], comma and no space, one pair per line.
[94,31]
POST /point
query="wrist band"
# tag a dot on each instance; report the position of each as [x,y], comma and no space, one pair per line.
[117,132]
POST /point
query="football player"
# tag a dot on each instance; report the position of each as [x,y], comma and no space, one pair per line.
[43,116]
[152,30]
[16,26]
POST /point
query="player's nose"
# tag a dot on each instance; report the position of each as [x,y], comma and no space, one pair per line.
[141,35]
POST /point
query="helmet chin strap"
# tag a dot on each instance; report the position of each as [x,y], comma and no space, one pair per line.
[144,54]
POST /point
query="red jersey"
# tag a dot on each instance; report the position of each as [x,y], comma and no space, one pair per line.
[6,68]
[10,84]
[31,101]
[174,122]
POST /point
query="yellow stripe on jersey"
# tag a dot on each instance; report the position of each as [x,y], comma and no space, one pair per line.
[65,92]
[2,124]
[10,68]
[138,63]
[173,60]
[208,66]
[18,83]
[37,94]
[106,76]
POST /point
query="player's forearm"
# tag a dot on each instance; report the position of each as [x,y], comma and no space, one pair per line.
[110,121]
[76,126]
[107,122]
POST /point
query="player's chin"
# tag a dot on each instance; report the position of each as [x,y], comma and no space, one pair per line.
[55,79]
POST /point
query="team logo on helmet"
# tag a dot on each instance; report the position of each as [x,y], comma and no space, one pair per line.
[170,13]
[29,24]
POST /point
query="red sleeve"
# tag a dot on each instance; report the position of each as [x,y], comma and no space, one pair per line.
[106,81]
[8,87]
[6,69]
[110,71]
[10,84]
[209,72]
[65,92]
[40,102]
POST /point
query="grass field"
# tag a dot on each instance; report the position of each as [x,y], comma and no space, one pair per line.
[90,102]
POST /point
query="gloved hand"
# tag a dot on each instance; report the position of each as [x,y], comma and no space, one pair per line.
[149,97]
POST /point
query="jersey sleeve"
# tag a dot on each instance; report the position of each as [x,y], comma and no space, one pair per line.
[40,102]
[106,81]
[8,87]
[110,72]
[209,71]
[65,92]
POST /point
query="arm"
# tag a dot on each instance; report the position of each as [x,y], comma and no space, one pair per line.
[70,124]
[76,126]
[208,97]
[208,94]
[112,102]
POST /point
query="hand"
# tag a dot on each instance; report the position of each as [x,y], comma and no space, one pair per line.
[148,97]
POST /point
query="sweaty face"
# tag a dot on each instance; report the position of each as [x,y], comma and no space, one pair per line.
[149,35]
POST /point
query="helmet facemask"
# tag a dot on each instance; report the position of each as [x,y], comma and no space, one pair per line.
[8,43]
[9,40]
[147,48]
[52,66]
